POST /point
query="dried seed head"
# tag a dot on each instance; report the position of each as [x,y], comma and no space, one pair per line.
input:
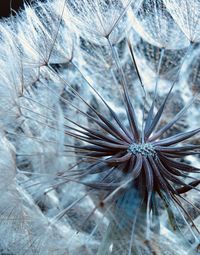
[145,149]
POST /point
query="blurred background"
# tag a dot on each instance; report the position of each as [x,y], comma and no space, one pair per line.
[8,6]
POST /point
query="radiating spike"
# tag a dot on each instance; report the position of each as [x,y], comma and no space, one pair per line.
[95,134]
[182,166]
[188,188]
[149,186]
[172,178]
[177,138]
[173,170]
[137,167]
[180,154]
[98,122]
[158,115]
[148,174]
[162,181]
[149,119]
[128,106]
[113,114]
[174,149]
[124,158]
[93,148]
[173,121]
[114,129]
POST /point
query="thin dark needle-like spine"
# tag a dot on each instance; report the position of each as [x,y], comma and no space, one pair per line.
[181,166]
[171,177]
[106,104]
[158,115]
[178,116]
[151,111]
[176,138]
[98,122]
[114,129]
[90,131]
[141,84]
[128,106]
[149,186]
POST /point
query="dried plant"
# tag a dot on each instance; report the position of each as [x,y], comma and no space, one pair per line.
[90,160]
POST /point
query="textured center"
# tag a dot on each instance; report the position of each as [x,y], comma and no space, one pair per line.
[146,149]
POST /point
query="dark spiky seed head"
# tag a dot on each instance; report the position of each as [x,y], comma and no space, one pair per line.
[139,158]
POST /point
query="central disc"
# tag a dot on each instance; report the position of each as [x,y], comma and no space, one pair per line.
[146,149]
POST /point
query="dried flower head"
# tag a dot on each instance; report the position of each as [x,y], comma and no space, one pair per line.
[89,157]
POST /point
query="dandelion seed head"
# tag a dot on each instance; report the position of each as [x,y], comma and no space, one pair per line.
[95,158]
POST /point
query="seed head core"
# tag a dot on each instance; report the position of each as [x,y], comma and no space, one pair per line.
[145,149]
